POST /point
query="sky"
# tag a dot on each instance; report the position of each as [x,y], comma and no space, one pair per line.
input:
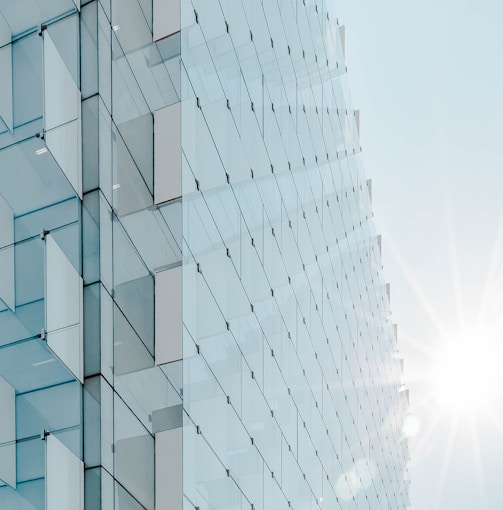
[427,77]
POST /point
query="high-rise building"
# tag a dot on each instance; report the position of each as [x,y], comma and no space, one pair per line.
[192,312]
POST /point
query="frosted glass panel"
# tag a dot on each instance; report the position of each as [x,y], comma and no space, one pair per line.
[167,154]
[166,18]
[168,469]
[62,114]
[7,286]
[168,313]
[7,433]
[63,308]
[64,477]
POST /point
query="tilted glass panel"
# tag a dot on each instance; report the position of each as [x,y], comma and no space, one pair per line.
[64,477]
[7,434]
[134,455]
[6,99]
[38,180]
[7,283]
[62,114]
[64,301]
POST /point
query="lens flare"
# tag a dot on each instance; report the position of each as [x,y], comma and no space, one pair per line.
[358,478]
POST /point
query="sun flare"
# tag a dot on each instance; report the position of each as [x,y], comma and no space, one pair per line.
[467,375]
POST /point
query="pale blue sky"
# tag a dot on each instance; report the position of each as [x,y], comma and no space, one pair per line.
[428,78]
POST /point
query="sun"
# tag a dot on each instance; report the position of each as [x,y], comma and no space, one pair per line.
[467,375]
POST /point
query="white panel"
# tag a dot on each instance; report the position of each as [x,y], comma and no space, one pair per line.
[64,477]
[62,114]
[7,433]
[166,18]
[6,111]
[168,469]
[167,154]
[7,286]
[168,316]
[64,308]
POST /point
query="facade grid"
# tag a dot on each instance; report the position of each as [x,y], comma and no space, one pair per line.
[192,308]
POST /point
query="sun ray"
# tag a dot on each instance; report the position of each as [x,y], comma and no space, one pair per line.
[494,272]
[426,435]
[414,284]
[496,421]
[416,344]
[447,458]
[478,462]
[453,256]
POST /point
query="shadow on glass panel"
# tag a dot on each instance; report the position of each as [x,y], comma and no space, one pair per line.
[133,288]
[156,234]
[130,353]
[43,410]
[152,398]
[124,500]
[27,318]
[37,181]
[130,189]
[28,495]
[134,455]
[155,68]
[173,372]
[29,365]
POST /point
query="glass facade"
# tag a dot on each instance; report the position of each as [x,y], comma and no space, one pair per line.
[192,308]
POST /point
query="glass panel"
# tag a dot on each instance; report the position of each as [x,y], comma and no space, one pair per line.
[64,301]
[64,477]
[166,18]
[30,365]
[27,496]
[27,66]
[167,154]
[130,353]
[7,283]
[54,408]
[168,306]
[124,500]
[168,469]
[37,181]
[134,288]
[7,433]
[62,114]
[6,113]
[134,455]
[31,13]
